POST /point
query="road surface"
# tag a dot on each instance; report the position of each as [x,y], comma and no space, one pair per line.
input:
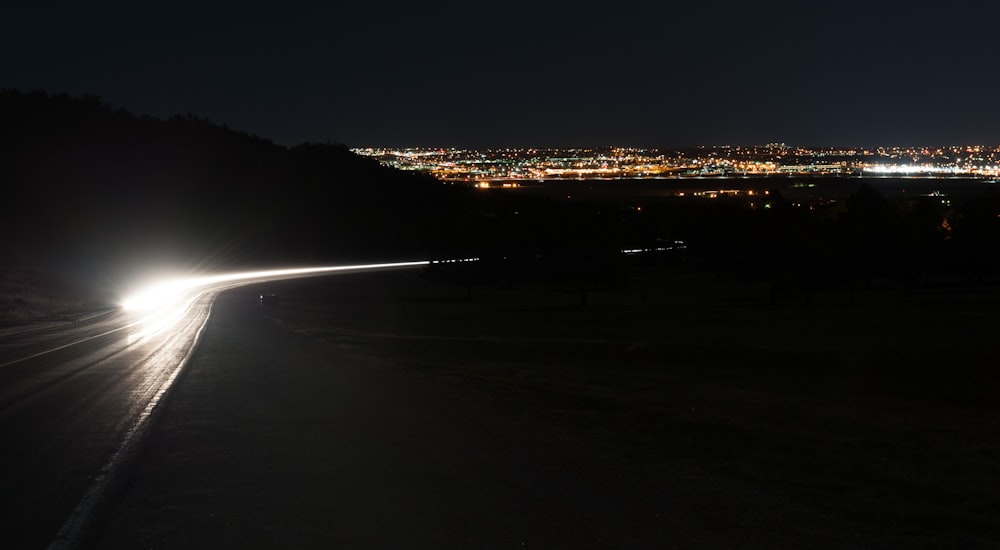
[71,397]
[76,399]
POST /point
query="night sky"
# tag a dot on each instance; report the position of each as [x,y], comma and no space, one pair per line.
[466,74]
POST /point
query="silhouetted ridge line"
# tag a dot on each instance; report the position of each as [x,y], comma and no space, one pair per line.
[84,178]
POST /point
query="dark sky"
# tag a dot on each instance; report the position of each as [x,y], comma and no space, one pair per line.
[529,74]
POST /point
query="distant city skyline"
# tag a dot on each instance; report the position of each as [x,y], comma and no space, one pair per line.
[456,164]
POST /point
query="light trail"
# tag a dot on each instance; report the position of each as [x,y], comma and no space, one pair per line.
[164,292]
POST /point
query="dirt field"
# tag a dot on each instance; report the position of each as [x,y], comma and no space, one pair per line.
[683,411]
[882,413]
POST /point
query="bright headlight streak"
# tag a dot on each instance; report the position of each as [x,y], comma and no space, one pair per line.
[162,304]
[157,295]
[162,319]
[164,293]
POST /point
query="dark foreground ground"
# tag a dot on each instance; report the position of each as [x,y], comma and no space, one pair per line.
[682,412]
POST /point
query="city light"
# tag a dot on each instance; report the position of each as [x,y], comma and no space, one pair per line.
[504,168]
[914,169]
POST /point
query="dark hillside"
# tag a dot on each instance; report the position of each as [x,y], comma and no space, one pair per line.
[97,196]
[80,175]
[94,193]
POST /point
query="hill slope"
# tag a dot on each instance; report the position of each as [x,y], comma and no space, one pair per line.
[92,192]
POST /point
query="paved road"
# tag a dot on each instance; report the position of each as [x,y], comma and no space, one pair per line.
[76,399]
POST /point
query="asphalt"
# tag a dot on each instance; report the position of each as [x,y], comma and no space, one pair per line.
[273,439]
[72,402]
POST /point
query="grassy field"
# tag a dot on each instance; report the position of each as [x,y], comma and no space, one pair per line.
[882,412]
[28,295]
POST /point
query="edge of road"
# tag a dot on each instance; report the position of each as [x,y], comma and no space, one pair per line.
[78,529]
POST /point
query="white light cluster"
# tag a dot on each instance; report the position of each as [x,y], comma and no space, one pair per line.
[913,169]
[164,293]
